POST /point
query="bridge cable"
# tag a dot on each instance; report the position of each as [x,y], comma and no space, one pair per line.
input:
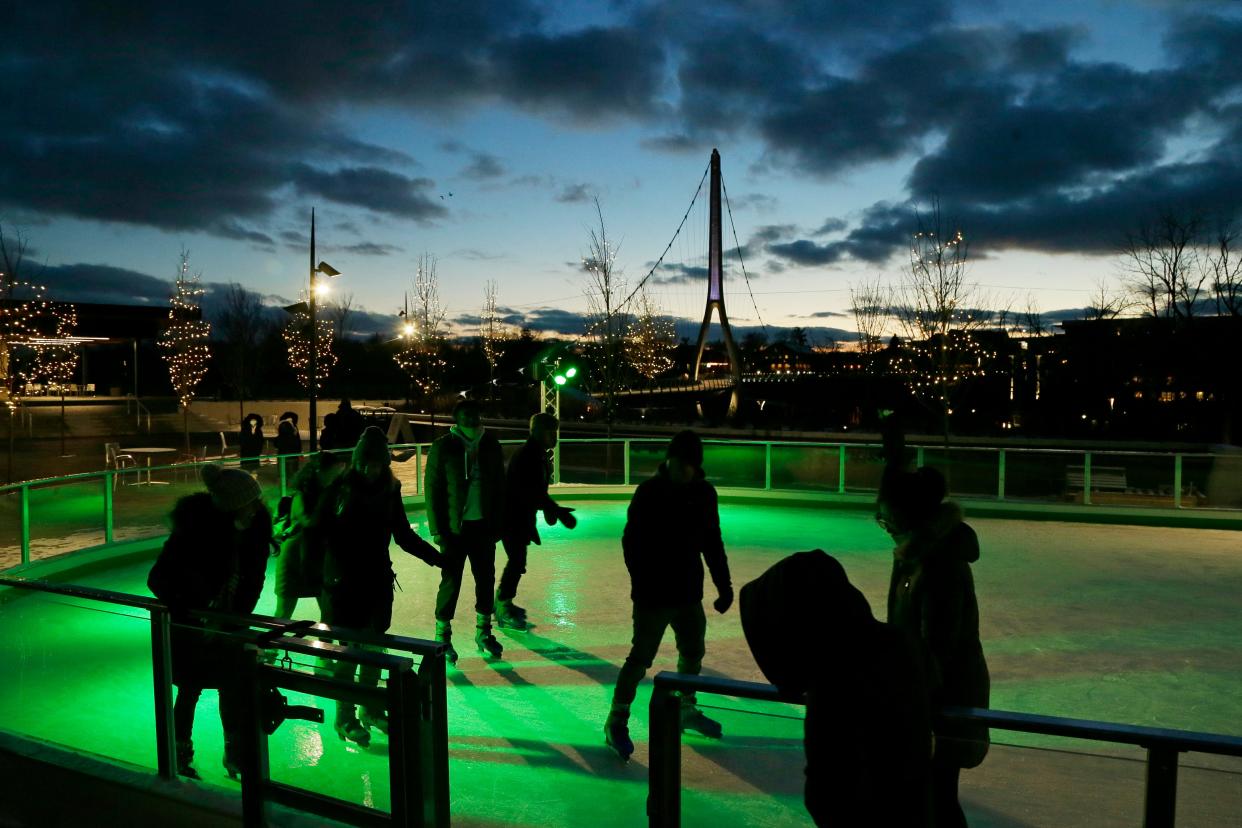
[738,247]
[669,246]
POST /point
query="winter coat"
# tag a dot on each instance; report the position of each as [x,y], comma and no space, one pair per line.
[868,726]
[931,596]
[288,440]
[250,442]
[447,484]
[526,492]
[207,563]
[357,521]
[670,530]
[299,568]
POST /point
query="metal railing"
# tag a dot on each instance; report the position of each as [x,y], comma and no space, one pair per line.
[1063,476]
[414,698]
[1162,746]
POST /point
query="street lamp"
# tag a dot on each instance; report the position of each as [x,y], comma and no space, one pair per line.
[323,269]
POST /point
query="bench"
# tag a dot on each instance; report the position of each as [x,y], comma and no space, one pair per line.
[1103,478]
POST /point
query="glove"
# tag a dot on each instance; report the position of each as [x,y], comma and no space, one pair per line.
[724,601]
[567,518]
[550,516]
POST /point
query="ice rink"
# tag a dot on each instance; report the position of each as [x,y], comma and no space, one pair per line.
[1135,625]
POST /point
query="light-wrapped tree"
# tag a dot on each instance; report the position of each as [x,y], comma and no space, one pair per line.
[184,341]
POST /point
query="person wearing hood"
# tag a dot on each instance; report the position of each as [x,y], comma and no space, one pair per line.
[868,734]
[464,486]
[931,596]
[359,515]
[671,528]
[289,441]
[215,558]
[526,494]
[250,441]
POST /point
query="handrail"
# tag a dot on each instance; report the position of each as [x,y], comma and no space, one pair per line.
[1162,744]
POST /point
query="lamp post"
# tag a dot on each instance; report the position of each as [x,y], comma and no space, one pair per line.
[324,269]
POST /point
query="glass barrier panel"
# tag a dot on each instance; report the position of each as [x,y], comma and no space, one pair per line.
[864,466]
[1048,476]
[735,464]
[645,457]
[140,508]
[408,469]
[969,472]
[66,516]
[806,468]
[10,528]
[78,674]
[1209,790]
[600,464]
[1143,480]
[1212,482]
[1065,782]
[754,776]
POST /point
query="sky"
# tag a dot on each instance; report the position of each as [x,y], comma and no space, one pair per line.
[482,133]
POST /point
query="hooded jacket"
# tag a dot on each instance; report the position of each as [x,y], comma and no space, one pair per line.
[526,492]
[357,520]
[447,483]
[932,597]
[207,563]
[868,729]
[669,531]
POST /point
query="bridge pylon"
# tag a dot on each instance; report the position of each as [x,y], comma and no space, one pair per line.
[715,292]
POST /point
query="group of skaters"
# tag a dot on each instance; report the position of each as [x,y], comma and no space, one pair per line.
[875,753]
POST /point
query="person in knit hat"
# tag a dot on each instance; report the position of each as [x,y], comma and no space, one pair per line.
[214,558]
[464,485]
[358,516]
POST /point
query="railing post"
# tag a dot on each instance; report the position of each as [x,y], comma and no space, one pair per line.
[918,456]
[161,675]
[1000,475]
[23,495]
[1086,479]
[435,765]
[107,499]
[1177,481]
[841,468]
[664,771]
[418,469]
[626,476]
[1160,806]
[409,801]
[284,482]
[255,771]
[767,467]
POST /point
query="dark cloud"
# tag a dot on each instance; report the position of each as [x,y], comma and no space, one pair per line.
[830,226]
[483,167]
[824,314]
[576,194]
[679,274]
[371,187]
[555,320]
[806,253]
[102,284]
[371,249]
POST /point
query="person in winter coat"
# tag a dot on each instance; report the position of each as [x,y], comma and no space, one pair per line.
[868,736]
[358,516]
[671,528]
[464,485]
[289,441]
[526,494]
[349,424]
[250,441]
[931,596]
[299,565]
[214,559]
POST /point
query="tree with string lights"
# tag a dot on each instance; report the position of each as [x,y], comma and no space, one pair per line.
[297,336]
[421,336]
[22,303]
[650,340]
[56,358]
[184,340]
[493,333]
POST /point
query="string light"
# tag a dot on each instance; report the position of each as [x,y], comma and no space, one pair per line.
[297,336]
[23,303]
[184,340]
[650,340]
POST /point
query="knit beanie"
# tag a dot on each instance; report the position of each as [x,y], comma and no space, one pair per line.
[372,447]
[686,447]
[230,489]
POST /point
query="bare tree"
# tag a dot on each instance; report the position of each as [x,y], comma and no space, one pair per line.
[1226,270]
[1033,320]
[492,332]
[939,312]
[651,339]
[1105,302]
[869,302]
[605,294]
[1162,260]
[339,310]
[242,326]
[419,355]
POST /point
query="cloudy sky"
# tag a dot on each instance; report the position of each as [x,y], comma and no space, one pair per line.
[481,131]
